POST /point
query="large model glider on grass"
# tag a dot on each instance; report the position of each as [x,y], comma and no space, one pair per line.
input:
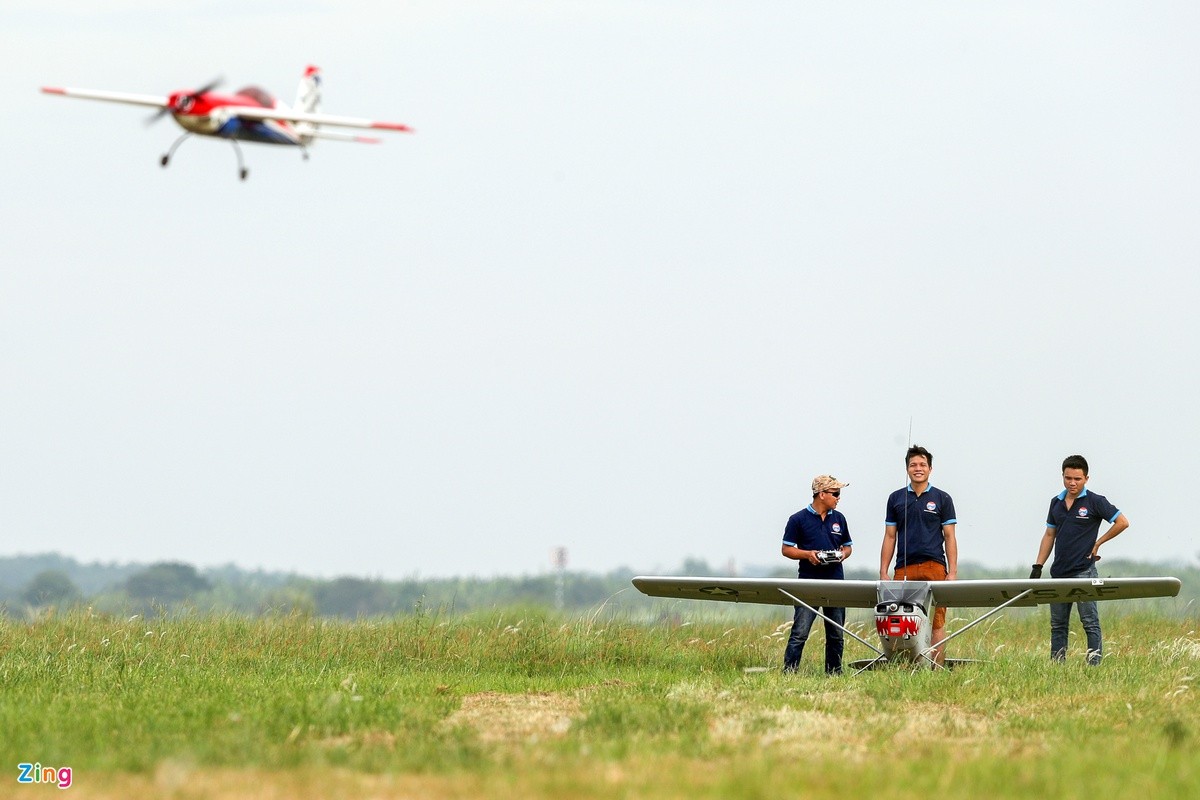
[248,115]
[903,609]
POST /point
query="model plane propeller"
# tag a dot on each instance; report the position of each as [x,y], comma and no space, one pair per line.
[903,609]
[248,115]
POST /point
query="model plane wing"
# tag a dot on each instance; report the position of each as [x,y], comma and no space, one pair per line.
[987,593]
[864,594]
[848,594]
[155,101]
[339,137]
[287,115]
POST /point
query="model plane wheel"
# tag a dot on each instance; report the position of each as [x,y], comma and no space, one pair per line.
[244,173]
[164,160]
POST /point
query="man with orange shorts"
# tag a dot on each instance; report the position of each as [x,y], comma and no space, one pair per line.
[919,532]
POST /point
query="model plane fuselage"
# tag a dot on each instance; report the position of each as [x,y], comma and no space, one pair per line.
[902,616]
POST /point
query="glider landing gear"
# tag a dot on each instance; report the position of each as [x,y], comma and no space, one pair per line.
[243,172]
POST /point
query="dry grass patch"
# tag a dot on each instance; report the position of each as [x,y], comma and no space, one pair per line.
[498,717]
[839,725]
[787,728]
[942,721]
[384,739]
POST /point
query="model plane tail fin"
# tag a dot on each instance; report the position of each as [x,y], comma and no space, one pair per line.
[308,101]
[308,93]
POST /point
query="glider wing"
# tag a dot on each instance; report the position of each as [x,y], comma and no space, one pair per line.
[987,593]
[851,594]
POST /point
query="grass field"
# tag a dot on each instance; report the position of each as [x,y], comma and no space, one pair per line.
[523,704]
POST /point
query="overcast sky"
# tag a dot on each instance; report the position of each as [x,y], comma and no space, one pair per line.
[643,271]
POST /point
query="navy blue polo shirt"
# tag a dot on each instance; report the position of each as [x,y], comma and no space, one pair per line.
[918,522]
[806,530]
[1076,530]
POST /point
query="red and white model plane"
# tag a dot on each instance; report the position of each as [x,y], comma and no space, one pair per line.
[248,115]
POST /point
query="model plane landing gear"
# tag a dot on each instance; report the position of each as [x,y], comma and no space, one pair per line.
[242,171]
[166,159]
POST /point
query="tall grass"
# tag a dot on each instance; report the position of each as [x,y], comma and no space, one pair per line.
[524,703]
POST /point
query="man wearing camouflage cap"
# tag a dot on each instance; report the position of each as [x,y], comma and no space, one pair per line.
[818,539]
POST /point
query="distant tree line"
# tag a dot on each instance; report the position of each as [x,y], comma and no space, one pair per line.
[32,584]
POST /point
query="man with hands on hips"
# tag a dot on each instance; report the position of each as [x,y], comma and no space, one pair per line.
[1072,532]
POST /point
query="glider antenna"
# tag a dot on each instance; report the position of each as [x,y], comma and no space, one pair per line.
[905,545]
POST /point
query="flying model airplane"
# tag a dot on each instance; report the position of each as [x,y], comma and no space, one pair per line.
[903,609]
[249,115]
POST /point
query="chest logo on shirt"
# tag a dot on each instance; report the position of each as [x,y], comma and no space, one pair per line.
[837,527]
[931,506]
[1083,512]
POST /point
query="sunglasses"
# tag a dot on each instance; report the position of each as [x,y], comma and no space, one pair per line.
[834,492]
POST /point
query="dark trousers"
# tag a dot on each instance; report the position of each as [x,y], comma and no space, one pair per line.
[1089,617]
[834,640]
